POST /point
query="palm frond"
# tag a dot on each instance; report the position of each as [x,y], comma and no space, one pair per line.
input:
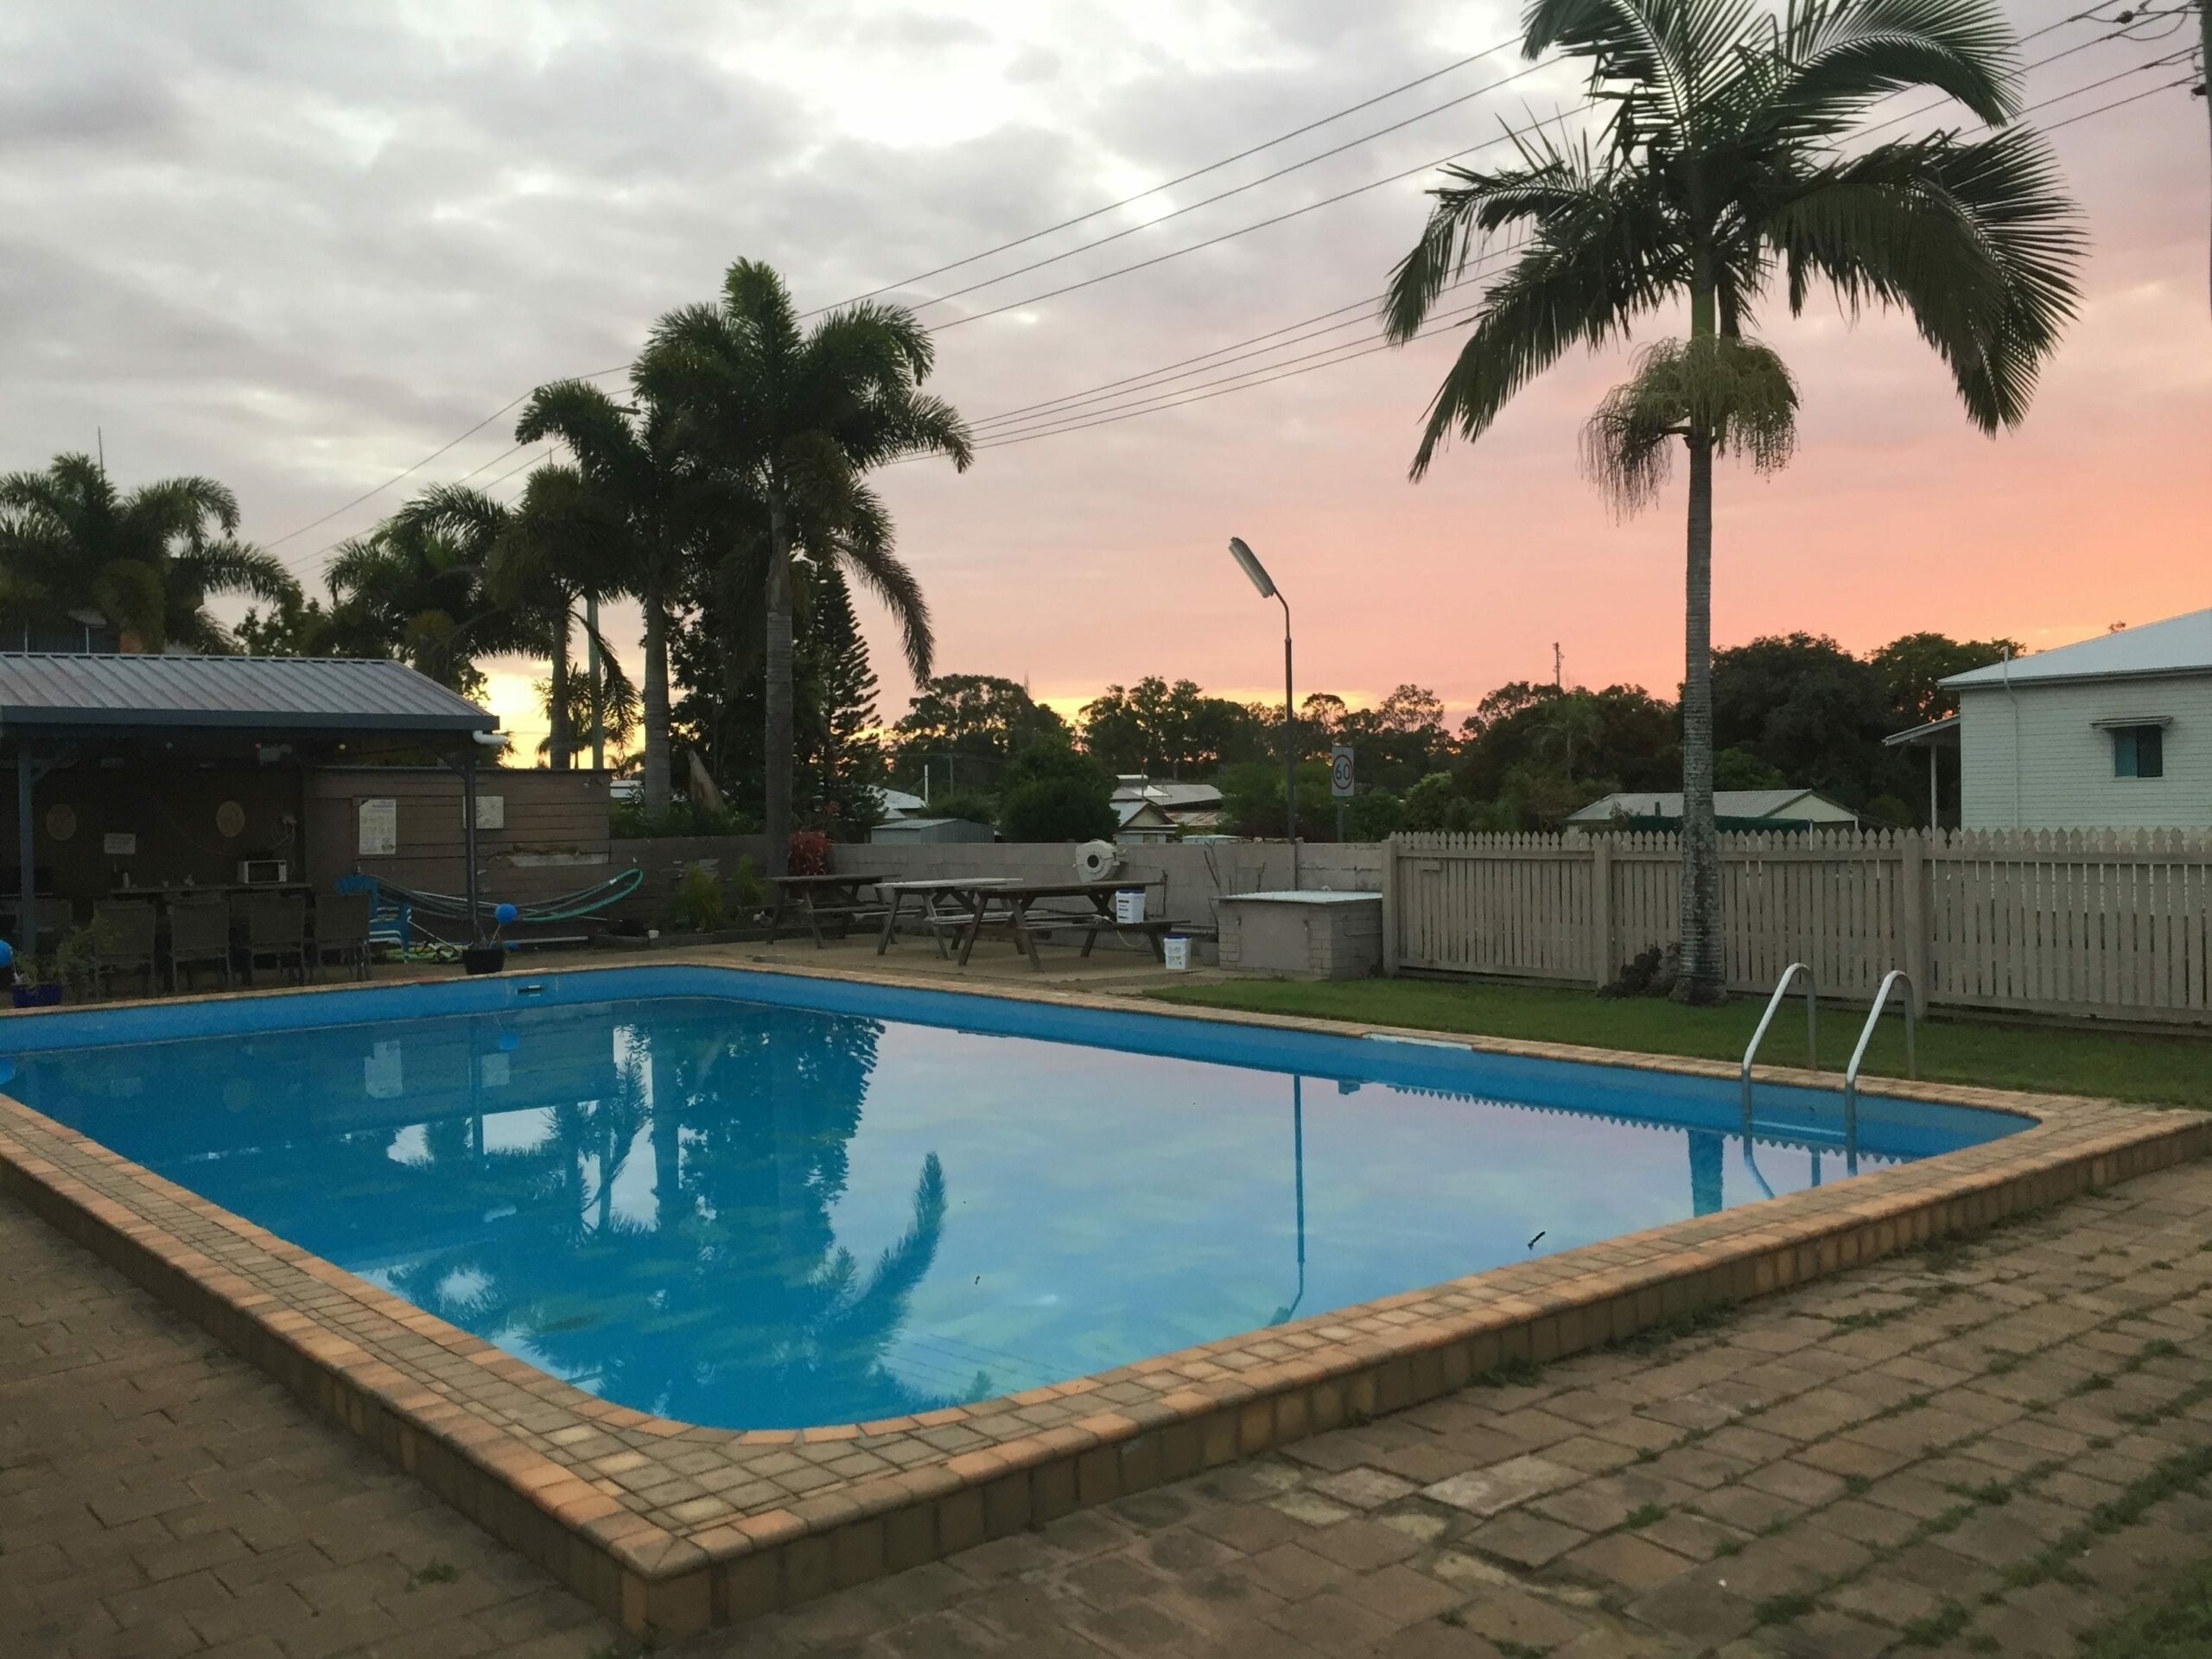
[1577,285]
[1832,58]
[1736,391]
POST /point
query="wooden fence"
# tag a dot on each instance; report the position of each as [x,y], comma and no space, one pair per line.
[2113,924]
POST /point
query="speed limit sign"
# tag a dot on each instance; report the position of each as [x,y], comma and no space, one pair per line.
[1340,773]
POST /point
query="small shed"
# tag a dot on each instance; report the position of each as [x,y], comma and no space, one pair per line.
[1141,823]
[134,772]
[1736,809]
[931,831]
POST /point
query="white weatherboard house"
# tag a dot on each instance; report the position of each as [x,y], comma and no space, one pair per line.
[2115,733]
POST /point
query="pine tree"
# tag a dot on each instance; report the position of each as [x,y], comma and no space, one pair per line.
[840,759]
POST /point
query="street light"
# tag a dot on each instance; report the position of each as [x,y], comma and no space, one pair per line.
[1248,562]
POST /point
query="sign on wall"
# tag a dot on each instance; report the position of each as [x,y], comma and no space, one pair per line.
[491,811]
[380,828]
[119,844]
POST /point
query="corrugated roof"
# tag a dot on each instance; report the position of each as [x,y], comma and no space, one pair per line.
[1727,804]
[60,689]
[2180,644]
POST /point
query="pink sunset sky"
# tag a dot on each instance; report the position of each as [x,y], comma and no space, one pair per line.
[300,255]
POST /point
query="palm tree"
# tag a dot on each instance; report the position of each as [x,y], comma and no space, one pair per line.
[73,548]
[651,508]
[417,588]
[540,560]
[797,417]
[1719,168]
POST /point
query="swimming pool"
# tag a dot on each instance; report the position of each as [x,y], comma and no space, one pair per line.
[755,1200]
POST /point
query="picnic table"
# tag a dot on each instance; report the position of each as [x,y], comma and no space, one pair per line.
[837,897]
[971,903]
[940,903]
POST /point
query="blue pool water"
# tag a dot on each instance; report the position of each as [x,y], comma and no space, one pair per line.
[761,1201]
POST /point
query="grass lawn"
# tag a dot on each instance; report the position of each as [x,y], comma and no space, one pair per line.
[2180,1627]
[2167,1069]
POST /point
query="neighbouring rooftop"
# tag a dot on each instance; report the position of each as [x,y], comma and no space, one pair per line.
[2180,644]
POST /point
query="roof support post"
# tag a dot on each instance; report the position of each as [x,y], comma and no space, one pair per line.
[469,843]
[27,911]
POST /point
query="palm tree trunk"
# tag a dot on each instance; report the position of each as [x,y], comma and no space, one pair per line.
[560,743]
[1702,979]
[656,701]
[778,695]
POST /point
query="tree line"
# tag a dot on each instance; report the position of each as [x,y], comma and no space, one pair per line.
[728,494]
[1796,709]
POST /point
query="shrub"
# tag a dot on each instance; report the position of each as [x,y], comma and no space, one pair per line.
[972,805]
[809,853]
[746,887]
[1374,814]
[1060,808]
[695,904]
[629,821]
[73,964]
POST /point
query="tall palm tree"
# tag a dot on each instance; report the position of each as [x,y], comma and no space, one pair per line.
[797,417]
[651,507]
[145,564]
[1719,169]
[418,588]
[539,560]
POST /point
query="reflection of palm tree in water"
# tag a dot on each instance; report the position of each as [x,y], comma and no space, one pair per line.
[733,1303]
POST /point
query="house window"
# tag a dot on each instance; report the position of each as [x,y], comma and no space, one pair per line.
[2138,752]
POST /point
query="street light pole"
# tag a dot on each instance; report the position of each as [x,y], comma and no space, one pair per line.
[1249,563]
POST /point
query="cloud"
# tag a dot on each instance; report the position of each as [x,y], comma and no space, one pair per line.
[299,247]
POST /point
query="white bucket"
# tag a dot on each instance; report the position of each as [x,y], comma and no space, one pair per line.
[1128,904]
[1175,953]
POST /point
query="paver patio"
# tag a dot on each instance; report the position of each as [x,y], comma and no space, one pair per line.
[1981,1449]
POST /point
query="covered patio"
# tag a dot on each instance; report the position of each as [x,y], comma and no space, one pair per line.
[138,777]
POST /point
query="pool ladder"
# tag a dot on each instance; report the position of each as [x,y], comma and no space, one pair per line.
[1889,980]
[1812,1052]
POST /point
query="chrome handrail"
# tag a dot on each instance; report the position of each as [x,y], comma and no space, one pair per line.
[1812,1043]
[1867,1036]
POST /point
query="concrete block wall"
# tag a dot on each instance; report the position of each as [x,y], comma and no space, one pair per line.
[1196,874]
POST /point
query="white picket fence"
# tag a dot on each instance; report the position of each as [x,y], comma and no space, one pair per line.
[2113,924]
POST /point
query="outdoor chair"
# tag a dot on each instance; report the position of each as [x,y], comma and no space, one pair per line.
[341,930]
[123,941]
[276,927]
[199,934]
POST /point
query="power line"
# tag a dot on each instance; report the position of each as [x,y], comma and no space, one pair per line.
[2120,33]
[2164,86]
[1074,403]
[1228,236]
[407,472]
[1223,195]
[1051,430]
[1196,173]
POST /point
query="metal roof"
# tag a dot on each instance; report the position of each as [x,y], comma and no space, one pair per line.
[57,690]
[1934,733]
[1727,804]
[2180,644]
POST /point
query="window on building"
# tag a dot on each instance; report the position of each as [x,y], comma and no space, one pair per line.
[2138,752]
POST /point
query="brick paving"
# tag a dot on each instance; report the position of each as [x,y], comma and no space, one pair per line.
[1974,1449]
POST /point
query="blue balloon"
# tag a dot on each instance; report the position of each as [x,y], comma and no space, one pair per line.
[7,954]
[504,914]
[509,1042]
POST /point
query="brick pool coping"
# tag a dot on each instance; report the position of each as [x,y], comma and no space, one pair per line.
[671,1528]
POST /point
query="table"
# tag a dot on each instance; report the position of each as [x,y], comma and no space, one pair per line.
[931,899]
[976,898]
[817,896]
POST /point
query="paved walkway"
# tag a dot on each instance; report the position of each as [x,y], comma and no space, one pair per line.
[1973,1450]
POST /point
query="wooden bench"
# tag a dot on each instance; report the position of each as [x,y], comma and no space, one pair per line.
[1154,929]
